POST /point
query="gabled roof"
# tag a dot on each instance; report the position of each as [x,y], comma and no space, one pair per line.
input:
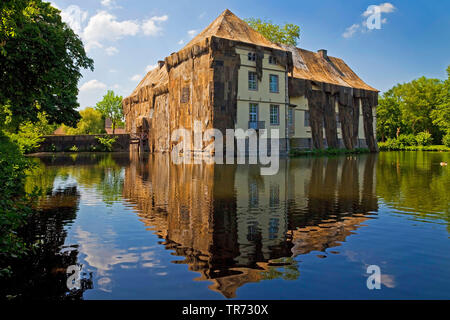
[229,26]
[317,67]
[307,64]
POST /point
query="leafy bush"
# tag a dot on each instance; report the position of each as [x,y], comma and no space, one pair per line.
[446,140]
[74,149]
[30,134]
[424,138]
[407,140]
[107,143]
[15,204]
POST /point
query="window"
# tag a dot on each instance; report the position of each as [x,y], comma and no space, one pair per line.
[274,115]
[291,117]
[253,112]
[273,83]
[272,60]
[252,81]
[307,119]
[251,56]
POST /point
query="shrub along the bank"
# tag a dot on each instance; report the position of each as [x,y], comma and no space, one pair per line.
[394,146]
[446,140]
[16,205]
[326,152]
[420,142]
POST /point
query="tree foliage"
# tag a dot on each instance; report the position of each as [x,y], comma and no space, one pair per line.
[287,34]
[91,123]
[31,134]
[40,62]
[422,105]
[111,107]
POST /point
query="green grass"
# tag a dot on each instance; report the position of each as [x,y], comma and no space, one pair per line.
[326,152]
[383,146]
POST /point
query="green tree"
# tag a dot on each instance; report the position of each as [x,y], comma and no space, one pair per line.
[287,34]
[41,58]
[91,123]
[31,134]
[421,105]
[441,114]
[418,99]
[111,107]
[389,116]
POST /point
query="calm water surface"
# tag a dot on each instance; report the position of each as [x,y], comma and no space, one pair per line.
[149,229]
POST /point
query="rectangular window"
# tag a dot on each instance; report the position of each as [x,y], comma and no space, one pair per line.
[251,56]
[273,83]
[291,117]
[253,112]
[252,81]
[272,60]
[274,115]
[306,118]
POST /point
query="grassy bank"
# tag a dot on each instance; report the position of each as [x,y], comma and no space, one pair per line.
[383,146]
[326,152]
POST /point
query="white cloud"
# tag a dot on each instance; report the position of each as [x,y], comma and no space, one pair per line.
[92,85]
[105,26]
[192,33]
[108,3]
[110,51]
[136,77]
[181,41]
[383,8]
[151,27]
[74,17]
[150,67]
[202,15]
[350,31]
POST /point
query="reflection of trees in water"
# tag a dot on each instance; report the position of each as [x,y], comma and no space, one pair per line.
[42,275]
[415,183]
[234,226]
[102,172]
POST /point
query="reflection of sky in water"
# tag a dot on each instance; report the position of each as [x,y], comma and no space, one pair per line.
[228,228]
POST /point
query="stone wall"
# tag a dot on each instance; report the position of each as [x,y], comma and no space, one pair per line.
[63,143]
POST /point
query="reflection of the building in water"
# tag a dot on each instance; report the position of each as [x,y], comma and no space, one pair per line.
[234,226]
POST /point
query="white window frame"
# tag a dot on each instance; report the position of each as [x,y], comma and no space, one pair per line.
[274,116]
[253,115]
[274,76]
[252,83]
[272,60]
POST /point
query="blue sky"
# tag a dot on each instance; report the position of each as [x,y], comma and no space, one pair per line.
[127,37]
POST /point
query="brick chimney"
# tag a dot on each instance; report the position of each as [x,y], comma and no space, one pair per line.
[323,53]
